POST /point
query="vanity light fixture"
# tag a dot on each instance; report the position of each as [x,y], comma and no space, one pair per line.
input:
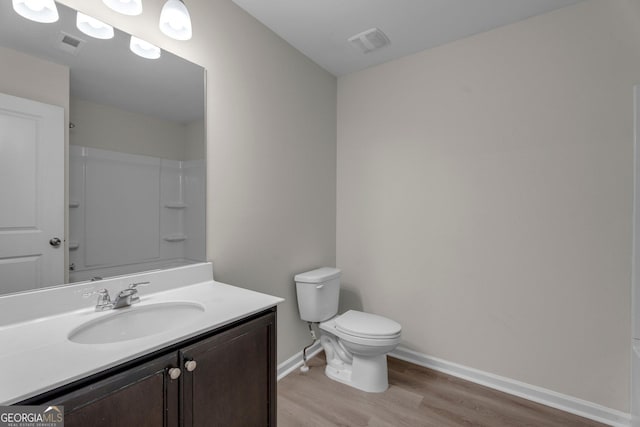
[126,7]
[43,11]
[175,21]
[144,49]
[93,27]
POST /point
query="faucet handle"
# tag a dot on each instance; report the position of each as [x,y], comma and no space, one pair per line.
[103,296]
[104,300]
[135,285]
[134,291]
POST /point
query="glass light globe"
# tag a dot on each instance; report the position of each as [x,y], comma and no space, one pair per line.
[175,20]
[144,49]
[43,11]
[93,27]
[126,7]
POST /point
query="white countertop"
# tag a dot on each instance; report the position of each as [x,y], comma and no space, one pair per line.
[37,355]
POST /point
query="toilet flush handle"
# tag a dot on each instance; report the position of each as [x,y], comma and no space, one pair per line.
[319,286]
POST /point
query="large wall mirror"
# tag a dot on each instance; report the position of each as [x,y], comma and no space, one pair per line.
[129,132]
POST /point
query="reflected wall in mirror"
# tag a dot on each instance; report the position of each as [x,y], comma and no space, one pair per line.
[130,132]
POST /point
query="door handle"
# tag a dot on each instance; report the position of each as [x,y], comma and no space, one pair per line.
[55,242]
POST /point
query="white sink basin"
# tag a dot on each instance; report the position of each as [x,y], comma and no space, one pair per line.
[136,322]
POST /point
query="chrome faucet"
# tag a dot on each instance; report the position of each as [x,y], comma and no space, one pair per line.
[125,297]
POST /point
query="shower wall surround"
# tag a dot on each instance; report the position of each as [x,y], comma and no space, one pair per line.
[128,210]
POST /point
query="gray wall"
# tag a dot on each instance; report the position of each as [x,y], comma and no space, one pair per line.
[271,148]
[114,129]
[485,195]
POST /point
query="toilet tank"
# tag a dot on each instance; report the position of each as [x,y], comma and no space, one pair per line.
[318,294]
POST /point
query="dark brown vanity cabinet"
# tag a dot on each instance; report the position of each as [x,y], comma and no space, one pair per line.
[141,396]
[234,382]
[224,378]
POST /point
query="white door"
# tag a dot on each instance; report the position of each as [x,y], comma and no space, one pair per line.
[31,194]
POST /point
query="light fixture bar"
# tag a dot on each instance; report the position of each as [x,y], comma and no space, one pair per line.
[43,11]
[93,27]
[126,7]
[175,21]
[144,49]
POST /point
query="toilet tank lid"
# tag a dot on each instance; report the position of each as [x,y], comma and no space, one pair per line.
[318,275]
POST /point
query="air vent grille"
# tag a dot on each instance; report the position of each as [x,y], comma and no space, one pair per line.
[69,43]
[369,40]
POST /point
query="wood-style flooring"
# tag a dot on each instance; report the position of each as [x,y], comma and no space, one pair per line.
[416,396]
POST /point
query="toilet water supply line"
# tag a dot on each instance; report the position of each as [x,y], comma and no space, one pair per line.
[304,367]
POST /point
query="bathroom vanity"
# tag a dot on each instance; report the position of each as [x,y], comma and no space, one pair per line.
[183,350]
[223,378]
[214,364]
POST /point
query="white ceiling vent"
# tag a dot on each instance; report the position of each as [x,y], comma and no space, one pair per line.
[69,43]
[370,40]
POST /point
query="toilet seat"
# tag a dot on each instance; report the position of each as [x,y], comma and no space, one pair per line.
[367,325]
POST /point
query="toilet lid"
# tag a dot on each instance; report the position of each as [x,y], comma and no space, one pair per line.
[367,325]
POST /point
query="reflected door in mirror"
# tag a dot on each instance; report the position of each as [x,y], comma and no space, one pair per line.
[32,194]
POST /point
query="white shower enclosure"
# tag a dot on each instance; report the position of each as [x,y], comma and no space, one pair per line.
[129,213]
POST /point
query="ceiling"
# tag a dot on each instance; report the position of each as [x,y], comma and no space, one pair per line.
[320,28]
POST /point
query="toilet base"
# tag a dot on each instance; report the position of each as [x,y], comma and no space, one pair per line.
[365,373]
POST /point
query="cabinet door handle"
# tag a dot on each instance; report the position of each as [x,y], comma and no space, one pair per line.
[190,365]
[174,373]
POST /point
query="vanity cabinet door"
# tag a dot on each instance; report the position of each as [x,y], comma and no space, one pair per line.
[233,381]
[141,396]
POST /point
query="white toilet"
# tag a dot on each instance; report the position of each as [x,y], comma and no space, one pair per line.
[355,343]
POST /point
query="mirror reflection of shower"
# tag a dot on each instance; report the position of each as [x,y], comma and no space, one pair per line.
[136,191]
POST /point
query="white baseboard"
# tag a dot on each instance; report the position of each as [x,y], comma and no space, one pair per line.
[537,394]
[295,361]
